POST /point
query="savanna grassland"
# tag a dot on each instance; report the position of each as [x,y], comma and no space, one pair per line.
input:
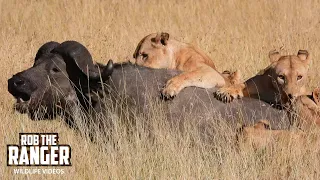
[235,34]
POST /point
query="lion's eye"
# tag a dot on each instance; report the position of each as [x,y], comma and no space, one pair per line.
[281,77]
[299,77]
[144,56]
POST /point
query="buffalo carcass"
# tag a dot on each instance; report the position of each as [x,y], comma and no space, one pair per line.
[64,76]
[140,84]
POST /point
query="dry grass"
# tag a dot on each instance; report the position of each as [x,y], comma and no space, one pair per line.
[236,34]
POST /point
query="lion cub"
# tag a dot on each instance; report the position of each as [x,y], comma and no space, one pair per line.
[283,80]
[159,51]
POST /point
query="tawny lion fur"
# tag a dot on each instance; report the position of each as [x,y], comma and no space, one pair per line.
[305,110]
[157,50]
[261,135]
[284,79]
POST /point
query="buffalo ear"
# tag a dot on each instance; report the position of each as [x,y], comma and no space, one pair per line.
[316,96]
[45,49]
[161,38]
[274,56]
[76,56]
[304,56]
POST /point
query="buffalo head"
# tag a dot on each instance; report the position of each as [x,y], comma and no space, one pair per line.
[62,76]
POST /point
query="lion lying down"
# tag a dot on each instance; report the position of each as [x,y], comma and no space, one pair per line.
[306,112]
[283,80]
[261,135]
[159,51]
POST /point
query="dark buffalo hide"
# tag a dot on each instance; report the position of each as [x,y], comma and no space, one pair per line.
[141,84]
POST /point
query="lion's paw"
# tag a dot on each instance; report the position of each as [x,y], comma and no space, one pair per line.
[227,94]
[171,89]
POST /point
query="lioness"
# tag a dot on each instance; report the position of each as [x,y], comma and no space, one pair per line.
[157,50]
[305,110]
[261,135]
[282,80]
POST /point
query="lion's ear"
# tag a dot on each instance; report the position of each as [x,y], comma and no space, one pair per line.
[161,38]
[316,96]
[240,128]
[274,56]
[304,56]
[263,124]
